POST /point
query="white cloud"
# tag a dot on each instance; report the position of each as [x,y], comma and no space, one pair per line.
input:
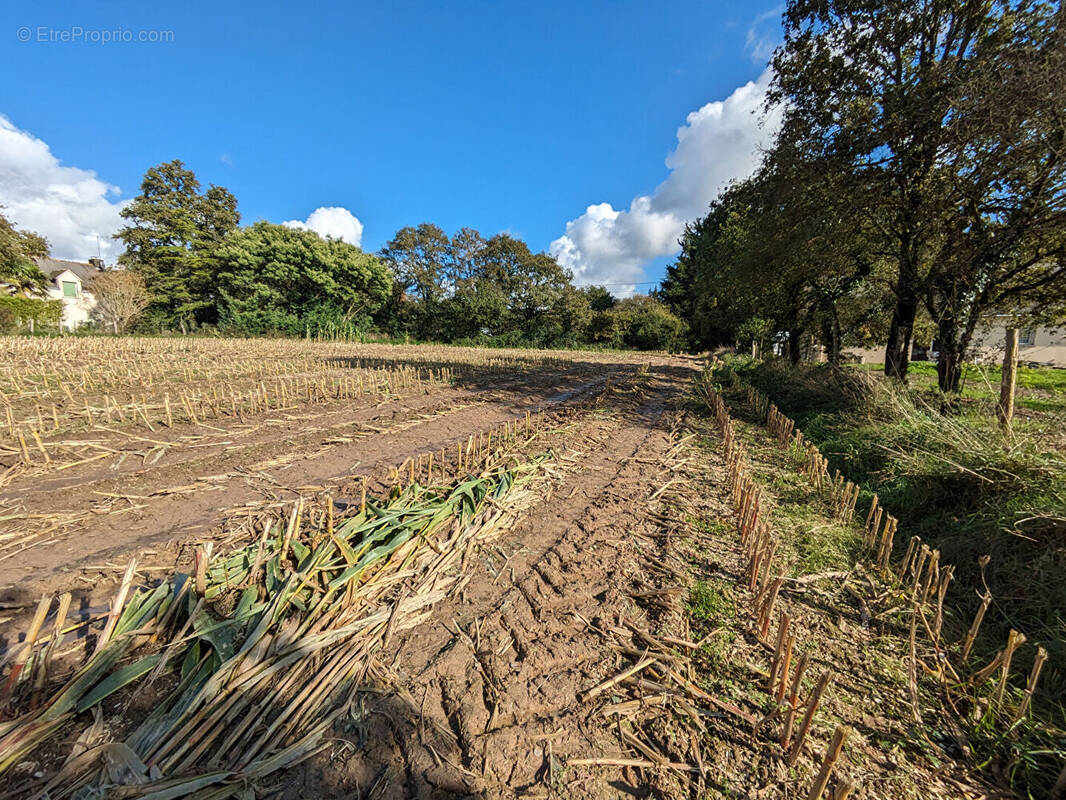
[70,207]
[333,221]
[764,35]
[718,143]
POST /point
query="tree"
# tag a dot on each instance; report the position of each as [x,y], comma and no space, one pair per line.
[599,299]
[753,335]
[818,251]
[121,297]
[1002,246]
[477,307]
[725,272]
[647,324]
[18,269]
[419,258]
[532,282]
[173,234]
[566,320]
[467,286]
[943,121]
[275,279]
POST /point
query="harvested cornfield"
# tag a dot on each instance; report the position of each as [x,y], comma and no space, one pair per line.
[297,569]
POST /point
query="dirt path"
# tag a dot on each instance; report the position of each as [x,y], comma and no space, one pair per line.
[484,698]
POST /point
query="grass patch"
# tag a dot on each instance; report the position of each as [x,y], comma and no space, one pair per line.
[708,603]
[712,526]
[966,488]
[825,547]
[1040,389]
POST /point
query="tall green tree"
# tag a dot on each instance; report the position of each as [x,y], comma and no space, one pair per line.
[18,269]
[419,258]
[174,230]
[720,278]
[533,283]
[274,279]
[1002,246]
[944,123]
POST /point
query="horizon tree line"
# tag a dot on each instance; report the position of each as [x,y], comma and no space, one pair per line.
[190,265]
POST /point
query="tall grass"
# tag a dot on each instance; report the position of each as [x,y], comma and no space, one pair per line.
[957,481]
[970,490]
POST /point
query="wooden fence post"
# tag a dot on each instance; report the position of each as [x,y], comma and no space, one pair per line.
[1009,379]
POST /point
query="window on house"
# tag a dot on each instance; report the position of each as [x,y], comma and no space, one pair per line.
[1027,336]
[70,289]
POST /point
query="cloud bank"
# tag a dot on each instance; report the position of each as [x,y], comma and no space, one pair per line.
[70,207]
[718,143]
[333,221]
[74,210]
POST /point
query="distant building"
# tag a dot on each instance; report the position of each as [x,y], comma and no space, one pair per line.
[1038,345]
[69,282]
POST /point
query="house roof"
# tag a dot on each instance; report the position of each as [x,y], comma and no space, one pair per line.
[54,266]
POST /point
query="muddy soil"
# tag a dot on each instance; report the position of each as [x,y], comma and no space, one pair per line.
[486,698]
[75,530]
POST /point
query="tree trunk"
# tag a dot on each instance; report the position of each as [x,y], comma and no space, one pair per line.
[833,356]
[898,351]
[948,368]
[949,354]
[794,346]
[1009,380]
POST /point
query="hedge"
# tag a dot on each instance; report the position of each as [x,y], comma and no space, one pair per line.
[17,311]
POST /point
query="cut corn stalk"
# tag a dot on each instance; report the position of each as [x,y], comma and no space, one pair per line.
[259,686]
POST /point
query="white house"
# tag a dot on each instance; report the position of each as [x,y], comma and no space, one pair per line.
[1037,345]
[69,282]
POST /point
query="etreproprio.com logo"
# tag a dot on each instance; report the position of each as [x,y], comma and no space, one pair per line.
[75,34]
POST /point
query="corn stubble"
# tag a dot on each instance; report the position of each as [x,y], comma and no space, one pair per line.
[257,689]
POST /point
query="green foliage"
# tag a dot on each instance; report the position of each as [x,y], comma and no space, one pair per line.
[1028,753]
[646,324]
[8,320]
[17,311]
[18,249]
[753,333]
[605,329]
[706,602]
[599,299]
[419,258]
[498,292]
[171,240]
[278,280]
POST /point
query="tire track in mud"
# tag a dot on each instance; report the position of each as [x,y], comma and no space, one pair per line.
[482,697]
[163,522]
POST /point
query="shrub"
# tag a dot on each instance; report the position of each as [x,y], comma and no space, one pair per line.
[44,313]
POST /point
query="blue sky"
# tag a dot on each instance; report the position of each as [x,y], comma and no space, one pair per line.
[495,115]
